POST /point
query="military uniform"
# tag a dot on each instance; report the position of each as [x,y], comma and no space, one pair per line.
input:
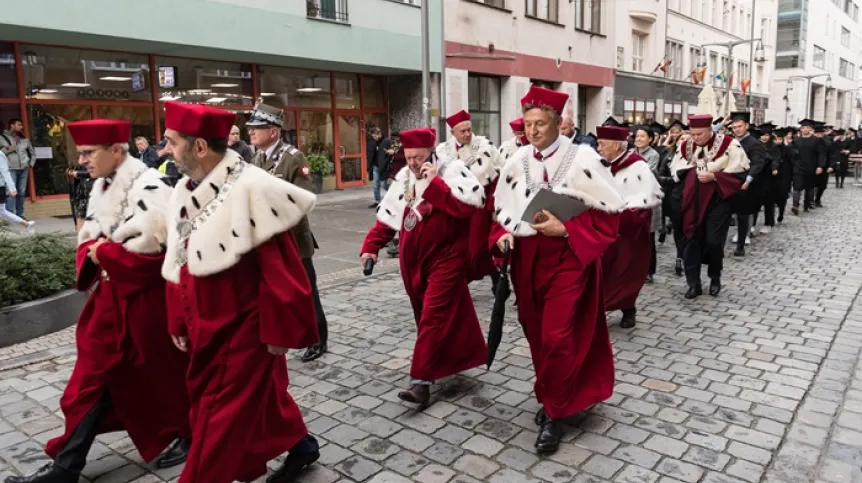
[288,163]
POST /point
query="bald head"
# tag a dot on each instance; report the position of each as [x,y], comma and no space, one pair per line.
[567,128]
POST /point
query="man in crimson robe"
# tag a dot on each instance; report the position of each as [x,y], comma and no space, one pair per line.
[432,204]
[709,169]
[513,144]
[127,376]
[238,299]
[626,263]
[484,161]
[555,264]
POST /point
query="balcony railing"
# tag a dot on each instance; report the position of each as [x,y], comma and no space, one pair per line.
[334,10]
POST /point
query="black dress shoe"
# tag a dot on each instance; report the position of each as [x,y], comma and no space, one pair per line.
[46,474]
[739,252]
[694,291]
[649,279]
[550,435]
[629,319]
[677,269]
[715,287]
[540,417]
[293,465]
[417,394]
[176,454]
[314,352]
[780,217]
[795,210]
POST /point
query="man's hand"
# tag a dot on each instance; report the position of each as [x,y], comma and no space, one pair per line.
[552,227]
[366,256]
[91,252]
[501,242]
[706,177]
[746,185]
[181,341]
[13,193]
[774,172]
[830,170]
[276,350]
[428,171]
[819,171]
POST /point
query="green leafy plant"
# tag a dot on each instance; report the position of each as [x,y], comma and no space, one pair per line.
[319,164]
[34,267]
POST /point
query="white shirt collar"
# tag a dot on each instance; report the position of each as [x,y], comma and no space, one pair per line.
[270,149]
[550,149]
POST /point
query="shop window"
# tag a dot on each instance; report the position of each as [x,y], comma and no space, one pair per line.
[7,113]
[204,82]
[316,134]
[55,150]
[346,91]
[61,73]
[483,94]
[376,119]
[140,117]
[8,79]
[373,92]
[282,86]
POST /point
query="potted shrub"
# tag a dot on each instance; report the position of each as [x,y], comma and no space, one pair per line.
[37,279]
[320,166]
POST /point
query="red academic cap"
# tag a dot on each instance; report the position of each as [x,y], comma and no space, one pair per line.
[700,120]
[198,120]
[545,98]
[517,125]
[424,137]
[457,118]
[100,131]
[612,133]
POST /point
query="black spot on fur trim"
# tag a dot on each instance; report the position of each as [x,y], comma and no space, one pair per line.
[274,213]
[625,179]
[509,179]
[605,163]
[164,246]
[199,255]
[388,212]
[401,197]
[151,187]
[476,188]
[129,218]
[508,220]
[253,224]
[184,212]
[221,245]
[214,187]
[565,185]
[142,205]
[497,170]
[487,154]
[589,175]
[497,211]
[464,174]
[130,238]
[165,180]
[483,199]
[514,184]
[479,161]
[461,190]
[603,203]
[527,193]
[229,170]
[645,201]
[196,203]
[290,197]
[233,232]
[639,178]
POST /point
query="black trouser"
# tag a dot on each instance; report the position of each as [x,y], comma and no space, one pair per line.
[768,211]
[676,222]
[73,456]
[322,329]
[822,184]
[653,256]
[781,203]
[743,225]
[839,178]
[807,183]
[707,246]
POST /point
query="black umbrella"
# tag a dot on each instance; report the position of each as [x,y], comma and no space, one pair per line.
[501,294]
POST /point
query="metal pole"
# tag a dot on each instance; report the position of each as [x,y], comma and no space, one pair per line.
[807,97]
[751,54]
[442,65]
[729,74]
[426,68]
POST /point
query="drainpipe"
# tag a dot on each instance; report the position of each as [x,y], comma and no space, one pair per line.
[442,64]
[426,68]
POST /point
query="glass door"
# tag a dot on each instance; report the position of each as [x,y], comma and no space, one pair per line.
[350,166]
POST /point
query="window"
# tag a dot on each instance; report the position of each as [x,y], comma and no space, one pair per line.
[588,15]
[206,82]
[335,10]
[704,11]
[621,57]
[845,37]
[716,13]
[61,73]
[846,69]
[725,17]
[694,54]
[493,3]
[673,5]
[543,9]
[8,79]
[819,57]
[713,69]
[284,86]
[483,95]
[673,53]
[638,41]
[639,111]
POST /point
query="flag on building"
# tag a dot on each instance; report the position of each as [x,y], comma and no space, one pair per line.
[744,85]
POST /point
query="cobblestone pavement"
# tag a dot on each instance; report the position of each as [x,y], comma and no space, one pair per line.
[759,384]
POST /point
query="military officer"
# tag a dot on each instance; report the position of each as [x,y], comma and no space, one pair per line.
[288,163]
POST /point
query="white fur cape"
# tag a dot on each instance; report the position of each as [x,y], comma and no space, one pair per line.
[638,185]
[587,179]
[480,156]
[508,148]
[142,224]
[460,180]
[257,207]
[732,160]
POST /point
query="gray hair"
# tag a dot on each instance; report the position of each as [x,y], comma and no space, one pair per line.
[557,117]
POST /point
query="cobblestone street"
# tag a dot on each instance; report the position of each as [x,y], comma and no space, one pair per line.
[759,384]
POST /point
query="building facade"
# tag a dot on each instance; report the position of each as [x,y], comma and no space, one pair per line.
[495,49]
[819,54]
[666,50]
[337,67]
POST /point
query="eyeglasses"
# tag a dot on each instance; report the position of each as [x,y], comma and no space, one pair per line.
[88,154]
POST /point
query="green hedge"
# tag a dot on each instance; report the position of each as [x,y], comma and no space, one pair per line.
[34,267]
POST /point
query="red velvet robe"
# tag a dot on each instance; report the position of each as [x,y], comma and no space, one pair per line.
[124,348]
[626,262]
[696,198]
[558,285]
[481,262]
[434,259]
[242,415]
